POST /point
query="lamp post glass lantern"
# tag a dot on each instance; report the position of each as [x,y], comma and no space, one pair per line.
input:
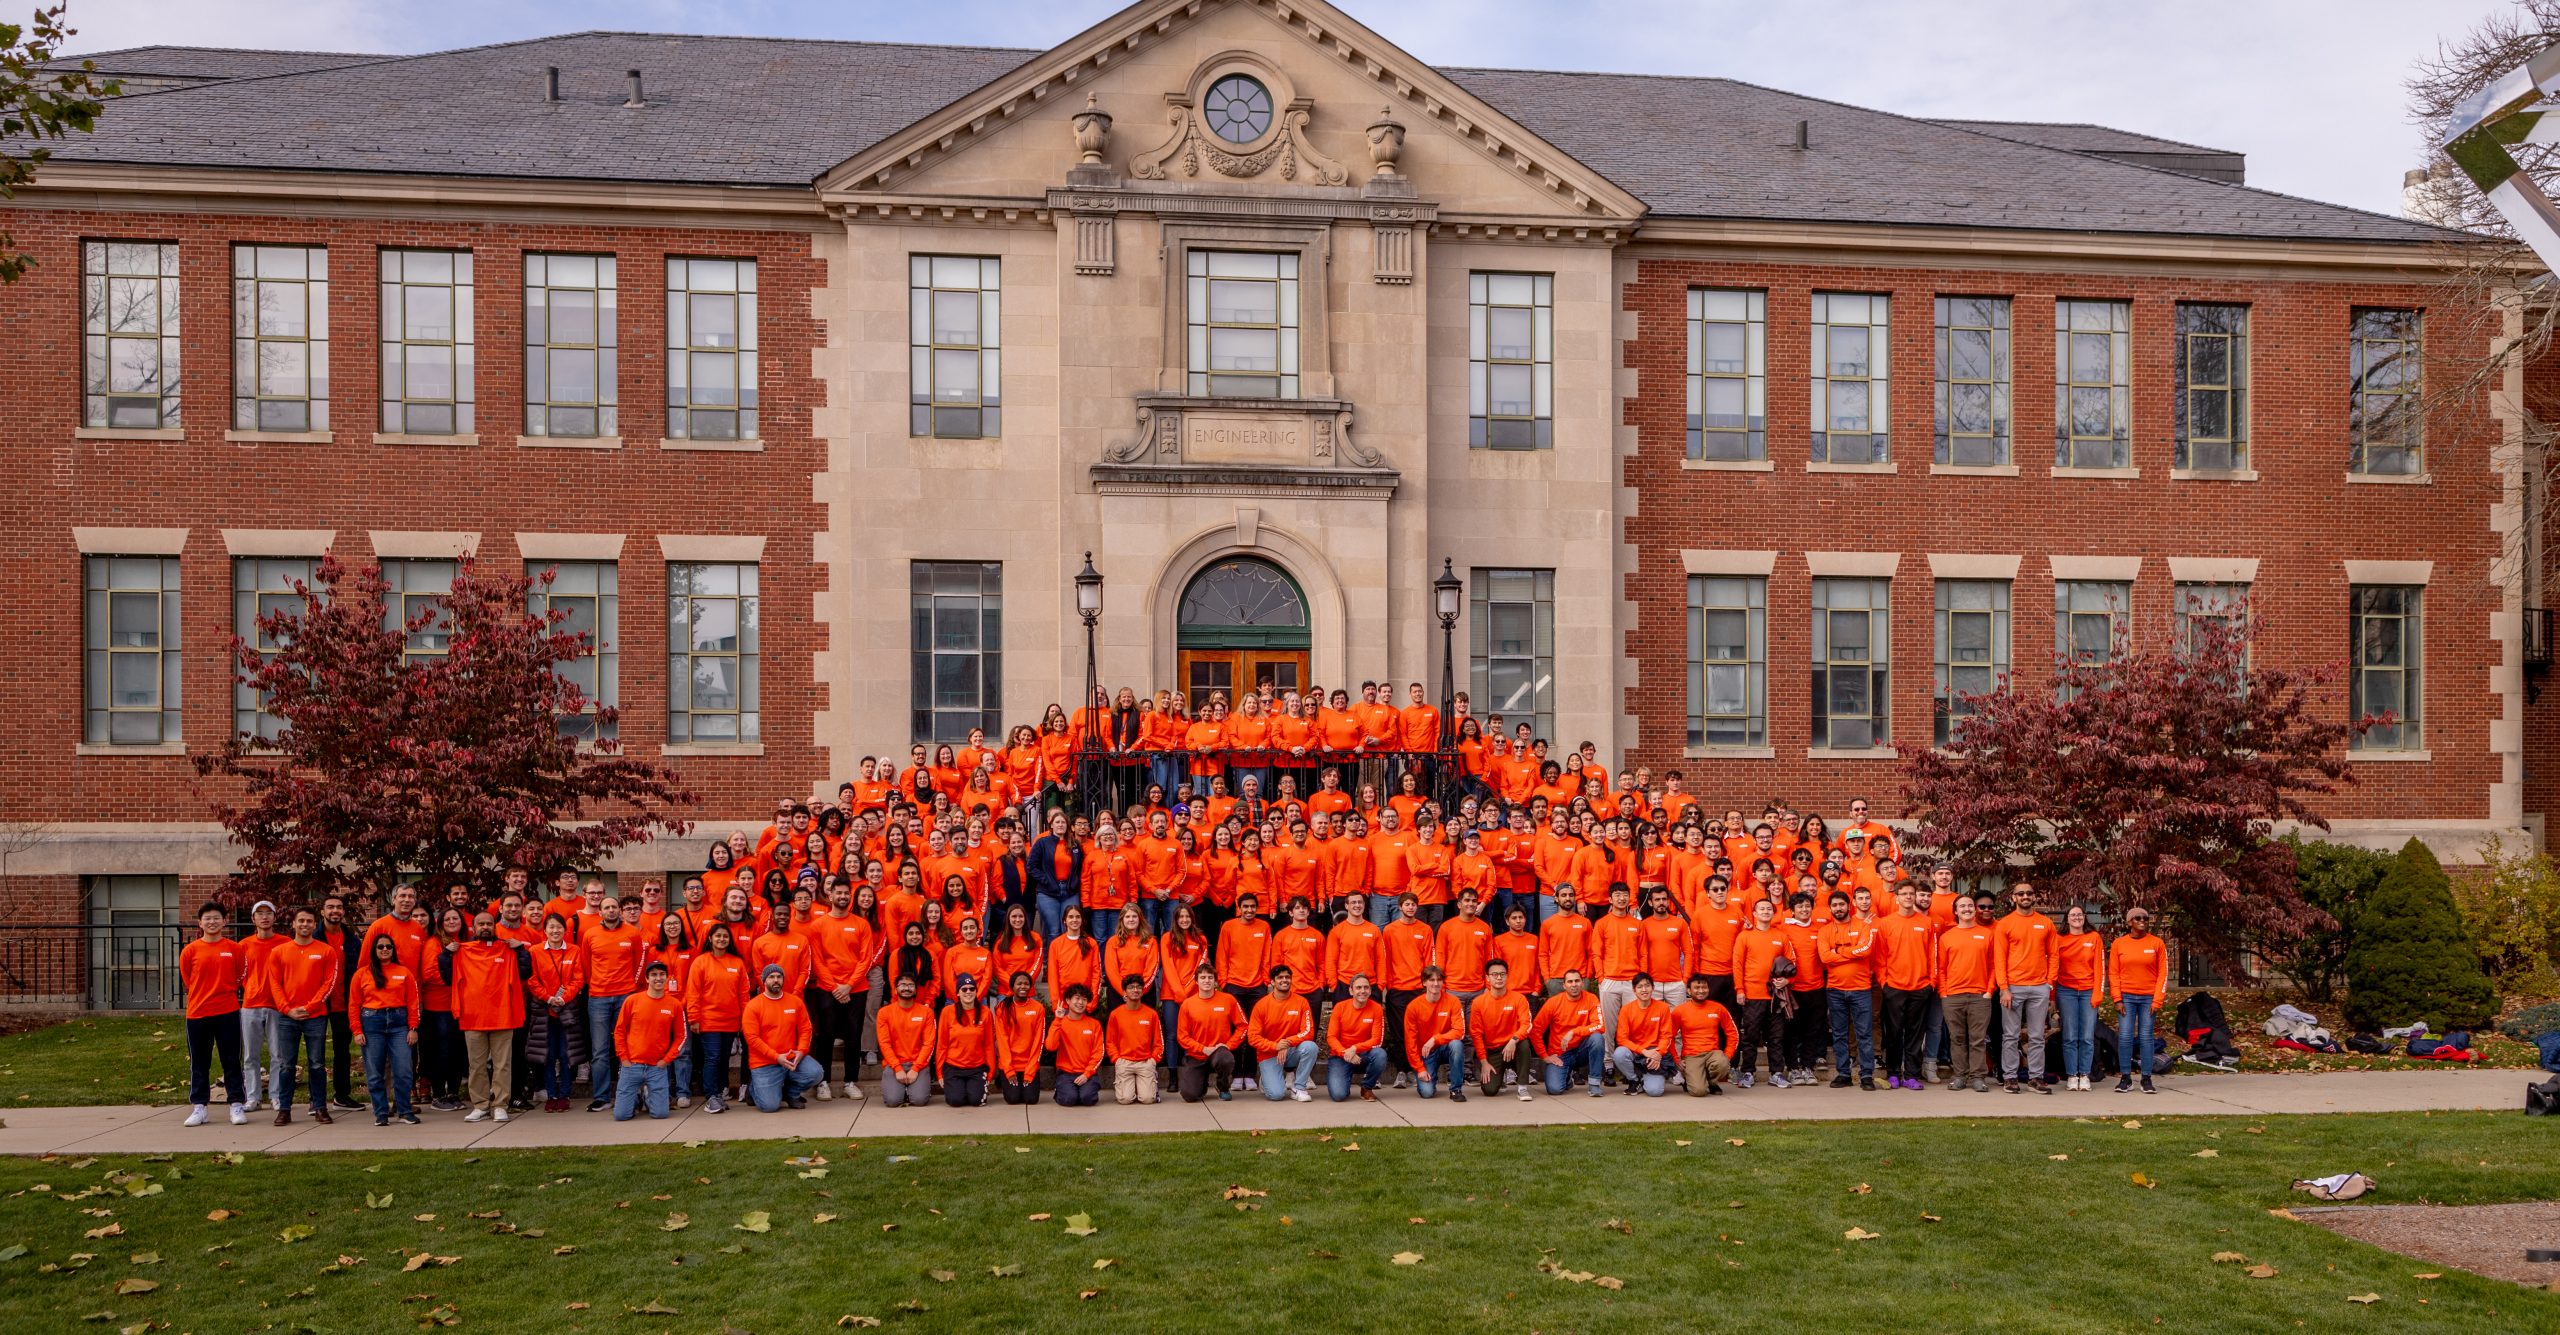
[1089,767]
[1444,592]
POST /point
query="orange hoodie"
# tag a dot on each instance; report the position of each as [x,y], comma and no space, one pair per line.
[1211,1021]
[650,1030]
[775,1028]
[1354,1028]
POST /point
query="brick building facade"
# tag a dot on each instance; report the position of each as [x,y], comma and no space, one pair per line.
[1086,201]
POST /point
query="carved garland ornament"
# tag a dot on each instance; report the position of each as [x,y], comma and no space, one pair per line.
[1296,157]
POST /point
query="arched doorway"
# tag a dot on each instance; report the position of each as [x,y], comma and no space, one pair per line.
[1241,624]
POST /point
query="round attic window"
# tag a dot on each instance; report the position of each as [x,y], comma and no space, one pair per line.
[1238,109]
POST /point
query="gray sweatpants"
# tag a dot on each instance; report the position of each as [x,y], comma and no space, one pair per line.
[2022,1023]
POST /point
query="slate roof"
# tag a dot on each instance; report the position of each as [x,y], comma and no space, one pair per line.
[211,63]
[2077,136]
[774,112]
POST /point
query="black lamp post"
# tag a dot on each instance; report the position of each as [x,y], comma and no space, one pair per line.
[1089,776]
[1444,593]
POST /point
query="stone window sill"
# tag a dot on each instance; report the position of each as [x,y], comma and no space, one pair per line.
[132,433]
[569,442]
[1866,753]
[1973,470]
[2213,475]
[2389,757]
[1729,465]
[712,749]
[1730,753]
[1817,466]
[404,438]
[152,749]
[2119,474]
[2391,479]
[281,437]
[719,446]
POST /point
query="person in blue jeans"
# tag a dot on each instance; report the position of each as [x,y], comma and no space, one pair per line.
[779,1028]
[2134,1042]
[1360,1017]
[1289,1059]
[2078,1005]
[1853,1009]
[640,1082]
[1573,1016]
[388,1032]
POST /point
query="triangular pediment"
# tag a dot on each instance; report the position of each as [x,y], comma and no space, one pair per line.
[1363,73]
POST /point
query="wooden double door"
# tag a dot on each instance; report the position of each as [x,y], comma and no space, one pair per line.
[1206,671]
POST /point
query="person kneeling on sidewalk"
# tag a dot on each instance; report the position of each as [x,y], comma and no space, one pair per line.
[779,1067]
[1707,1041]
[1498,1023]
[648,1032]
[1134,1040]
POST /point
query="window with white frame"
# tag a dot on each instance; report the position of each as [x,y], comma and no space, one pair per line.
[711,349]
[957,644]
[1728,374]
[588,594]
[1973,648]
[262,586]
[571,354]
[1244,324]
[2093,385]
[413,597]
[2383,634]
[2385,429]
[1728,661]
[1851,417]
[1852,661]
[2199,603]
[426,343]
[1973,382]
[2091,619]
[280,338]
[132,644]
[129,328]
[713,679]
[954,373]
[1511,361]
[1511,640]
[2212,399]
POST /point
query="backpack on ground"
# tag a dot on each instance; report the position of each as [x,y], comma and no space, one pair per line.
[2543,1099]
[2208,1031]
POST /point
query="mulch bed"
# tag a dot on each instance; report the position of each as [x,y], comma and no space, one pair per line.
[2483,1239]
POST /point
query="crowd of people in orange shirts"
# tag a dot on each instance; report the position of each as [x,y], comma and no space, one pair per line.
[1345,893]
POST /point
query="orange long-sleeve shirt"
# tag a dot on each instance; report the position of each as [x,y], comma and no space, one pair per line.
[1965,963]
[1664,945]
[1428,1022]
[1466,945]
[1804,944]
[1617,946]
[1245,953]
[1519,952]
[1077,1039]
[965,1037]
[775,1027]
[1018,1029]
[1564,942]
[398,990]
[1702,1025]
[1279,1022]
[613,958]
[2026,950]
[1644,1027]
[302,977]
[1409,947]
[1848,951]
[1354,949]
[558,975]
[1754,953]
[1072,961]
[1134,1034]
[1564,1022]
[2078,961]
[790,950]
[1354,1028]
[906,1034]
[209,973]
[1907,961]
[2135,967]
[649,1031]
[715,993]
[1212,1021]
[1495,1019]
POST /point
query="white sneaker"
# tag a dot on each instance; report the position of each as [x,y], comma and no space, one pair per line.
[1511,1077]
[853,1090]
[684,1100]
[1777,1081]
[1244,1084]
[476,1115]
[1524,1093]
[196,1118]
[1300,1096]
[239,1115]
[501,1114]
[819,1092]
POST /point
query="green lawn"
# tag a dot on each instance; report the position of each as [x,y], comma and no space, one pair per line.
[973,1233]
[94,1060]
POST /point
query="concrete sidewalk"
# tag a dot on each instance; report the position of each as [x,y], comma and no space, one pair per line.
[155,1130]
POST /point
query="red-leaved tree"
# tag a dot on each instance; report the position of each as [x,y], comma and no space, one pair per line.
[2153,779]
[390,762]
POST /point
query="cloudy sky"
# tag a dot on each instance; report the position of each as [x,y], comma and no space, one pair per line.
[2309,89]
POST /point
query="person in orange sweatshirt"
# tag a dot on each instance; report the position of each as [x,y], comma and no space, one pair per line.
[905,1031]
[776,1024]
[302,972]
[649,1033]
[1847,947]
[1498,1024]
[1967,973]
[1906,963]
[209,978]
[2136,970]
[1707,1041]
[1076,1039]
[1435,1038]
[1756,953]
[716,990]
[1642,1051]
[1355,1041]
[1134,1040]
[1282,1031]
[1020,1024]
[2080,963]
[2026,957]
[384,999]
[487,976]
[964,1046]
[1566,1035]
[1209,1031]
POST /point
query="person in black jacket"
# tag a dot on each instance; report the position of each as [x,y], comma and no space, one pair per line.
[1052,889]
[334,930]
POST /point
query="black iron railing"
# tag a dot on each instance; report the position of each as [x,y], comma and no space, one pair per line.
[90,966]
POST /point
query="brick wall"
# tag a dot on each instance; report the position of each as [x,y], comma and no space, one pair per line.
[2300,518]
[355,485]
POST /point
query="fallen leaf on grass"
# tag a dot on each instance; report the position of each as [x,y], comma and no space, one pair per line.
[1351,1148]
[2281,1213]
[1105,1262]
[1930,1218]
[373,1202]
[902,1158]
[824,1218]
[2432,1274]
[656,1307]
[695,1144]
[117,1230]
[2368,1299]
[342,1265]
[422,1260]
[446,1315]
[1239,1192]
[1681,1143]
[217,1216]
[1406,1258]
[133,1284]
[1620,1226]
[1861,1235]
[676,1221]
[576,1307]
[2226,1258]
[482,1214]
[754,1221]
[138,1258]
[2143,1182]
[2206,1154]
[2262,1271]
[1006,1271]
[943,1276]
[564,1251]
[1610,1282]
[1089,1295]
[296,1232]
[2057,1158]
[1080,1225]
[856,1321]
[1861,1189]
[1040,1218]
[1737,1142]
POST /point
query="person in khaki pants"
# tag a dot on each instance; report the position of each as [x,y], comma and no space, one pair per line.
[1707,1040]
[488,977]
[1134,1040]
[1965,977]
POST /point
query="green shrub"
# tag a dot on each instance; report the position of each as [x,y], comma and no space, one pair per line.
[2512,907]
[2411,958]
[2335,879]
